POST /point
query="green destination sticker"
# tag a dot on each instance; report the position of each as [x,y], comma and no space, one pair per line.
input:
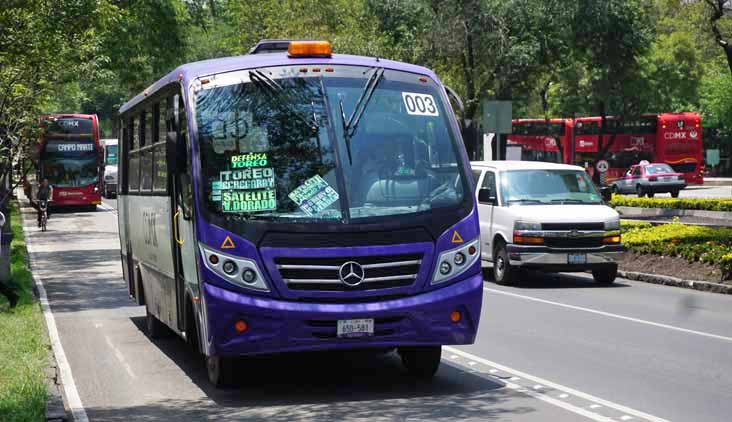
[248,187]
[314,195]
[253,159]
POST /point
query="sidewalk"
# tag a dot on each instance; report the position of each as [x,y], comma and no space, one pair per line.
[718,181]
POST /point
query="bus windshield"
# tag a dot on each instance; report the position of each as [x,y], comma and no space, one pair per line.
[111,153]
[70,163]
[277,144]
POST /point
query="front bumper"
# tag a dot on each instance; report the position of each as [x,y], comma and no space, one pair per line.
[110,187]
[553,259]
[283,326]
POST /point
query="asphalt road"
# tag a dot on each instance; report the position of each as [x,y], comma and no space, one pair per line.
[554,348]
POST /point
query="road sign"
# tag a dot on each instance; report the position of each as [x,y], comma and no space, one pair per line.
[602,166]
[497,116]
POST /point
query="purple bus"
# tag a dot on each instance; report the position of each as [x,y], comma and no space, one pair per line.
[295,200]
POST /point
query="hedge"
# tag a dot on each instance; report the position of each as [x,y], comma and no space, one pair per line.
[711,245]
[707,204]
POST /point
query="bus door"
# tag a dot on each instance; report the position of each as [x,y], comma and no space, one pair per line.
[186,273]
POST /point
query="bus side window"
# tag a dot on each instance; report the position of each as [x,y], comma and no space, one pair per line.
[160,169]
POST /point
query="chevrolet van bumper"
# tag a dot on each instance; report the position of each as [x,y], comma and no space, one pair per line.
[566,260]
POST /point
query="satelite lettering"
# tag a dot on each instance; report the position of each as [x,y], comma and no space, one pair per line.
[69,123]
[262,200]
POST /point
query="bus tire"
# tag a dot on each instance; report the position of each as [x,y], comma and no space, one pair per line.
[503,272]
[192,337]
[421,362]
[675,193]
[220,370]
[155,328]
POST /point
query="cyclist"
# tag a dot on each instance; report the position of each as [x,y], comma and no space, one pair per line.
[45,193]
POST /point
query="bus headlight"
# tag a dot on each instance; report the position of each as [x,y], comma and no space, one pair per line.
[454,262]
[239,271]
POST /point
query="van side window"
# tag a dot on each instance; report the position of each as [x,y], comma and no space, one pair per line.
[476,178]
[489,182]
[637,171]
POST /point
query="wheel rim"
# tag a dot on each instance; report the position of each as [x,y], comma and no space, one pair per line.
[500,267]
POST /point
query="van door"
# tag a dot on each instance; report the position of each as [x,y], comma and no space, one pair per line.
[485,210]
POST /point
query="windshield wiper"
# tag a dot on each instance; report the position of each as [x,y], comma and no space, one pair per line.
[570,201]
[525,201]
[349,126]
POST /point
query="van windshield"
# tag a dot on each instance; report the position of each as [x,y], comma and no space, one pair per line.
[547,187]
[275,144]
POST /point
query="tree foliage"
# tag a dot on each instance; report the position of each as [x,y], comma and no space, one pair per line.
[552,58]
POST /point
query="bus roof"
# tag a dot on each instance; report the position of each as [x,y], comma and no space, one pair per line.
[188,72]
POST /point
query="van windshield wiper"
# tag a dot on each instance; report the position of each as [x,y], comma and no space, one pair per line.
[570,201]
[349,126]
[524,201]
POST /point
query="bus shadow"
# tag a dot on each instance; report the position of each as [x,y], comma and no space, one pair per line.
[342,386]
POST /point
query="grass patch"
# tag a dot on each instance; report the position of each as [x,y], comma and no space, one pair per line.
[23,348]
[707,204]
[710,245]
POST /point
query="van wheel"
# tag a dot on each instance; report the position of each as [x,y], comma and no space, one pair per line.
[503,272]
[220,370]
[605,276]
[614,190]
[650,194]
[675,193]
[421,362]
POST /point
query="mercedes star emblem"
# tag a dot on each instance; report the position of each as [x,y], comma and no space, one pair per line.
[351,273]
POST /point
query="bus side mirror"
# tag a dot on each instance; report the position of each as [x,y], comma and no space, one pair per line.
[606,193]
[485,196]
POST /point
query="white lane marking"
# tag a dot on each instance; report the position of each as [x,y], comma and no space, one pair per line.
[626,417]
[611,315]
[471,363]
[515,378]
[67,378]
[595,406]
[555,386]
[538,387]
[559,403]
[120,357]
[563,396]
[493,371]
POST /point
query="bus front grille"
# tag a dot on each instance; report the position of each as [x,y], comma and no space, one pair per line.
[323,274]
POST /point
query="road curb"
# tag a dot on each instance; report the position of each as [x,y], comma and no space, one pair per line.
[667,212]
[705,286]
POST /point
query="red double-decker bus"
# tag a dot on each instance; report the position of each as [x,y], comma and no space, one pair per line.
[679,144]
[672,138]
[70,157]
[540,140]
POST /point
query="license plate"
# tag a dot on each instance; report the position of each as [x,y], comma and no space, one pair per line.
[666,179]
[355,327]
[576,258]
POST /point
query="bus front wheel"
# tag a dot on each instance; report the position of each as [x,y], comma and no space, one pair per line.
[421,362]
[220,370]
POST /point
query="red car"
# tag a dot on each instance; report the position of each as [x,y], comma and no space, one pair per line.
[648,179]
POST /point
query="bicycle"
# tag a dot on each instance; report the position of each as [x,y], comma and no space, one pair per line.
[43,209]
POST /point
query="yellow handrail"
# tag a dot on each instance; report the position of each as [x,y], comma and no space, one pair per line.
[175,229]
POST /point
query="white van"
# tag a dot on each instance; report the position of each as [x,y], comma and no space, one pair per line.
[547,217]
[109,186]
